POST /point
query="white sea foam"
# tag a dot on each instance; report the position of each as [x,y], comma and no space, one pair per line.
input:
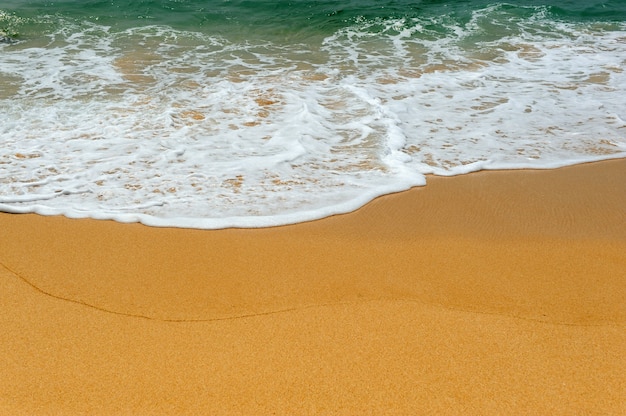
[182,129]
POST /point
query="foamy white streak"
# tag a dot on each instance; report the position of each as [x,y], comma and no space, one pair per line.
[180,129]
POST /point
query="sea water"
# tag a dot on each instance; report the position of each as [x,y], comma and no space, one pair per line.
[252,113]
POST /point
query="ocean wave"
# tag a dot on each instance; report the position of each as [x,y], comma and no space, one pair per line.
[203,129]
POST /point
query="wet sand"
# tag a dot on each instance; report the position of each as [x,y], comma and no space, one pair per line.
[489,293]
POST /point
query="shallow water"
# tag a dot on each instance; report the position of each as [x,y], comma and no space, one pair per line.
[212,114]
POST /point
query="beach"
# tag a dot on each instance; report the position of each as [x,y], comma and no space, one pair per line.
[336,207]
[496,292]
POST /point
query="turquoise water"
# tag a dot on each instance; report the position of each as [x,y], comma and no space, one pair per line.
[293,16]
[283,20]
[212,114]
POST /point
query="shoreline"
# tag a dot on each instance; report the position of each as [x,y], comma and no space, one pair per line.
[516,279]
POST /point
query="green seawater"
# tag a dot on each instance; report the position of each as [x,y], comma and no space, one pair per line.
[287,21]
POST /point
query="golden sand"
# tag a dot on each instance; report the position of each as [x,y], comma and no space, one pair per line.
[489,293]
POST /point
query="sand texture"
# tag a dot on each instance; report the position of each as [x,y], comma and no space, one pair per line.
[489,293]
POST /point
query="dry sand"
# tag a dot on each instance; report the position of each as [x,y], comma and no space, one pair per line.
[490,293]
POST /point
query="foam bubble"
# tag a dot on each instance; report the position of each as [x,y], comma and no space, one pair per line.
[174,128]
